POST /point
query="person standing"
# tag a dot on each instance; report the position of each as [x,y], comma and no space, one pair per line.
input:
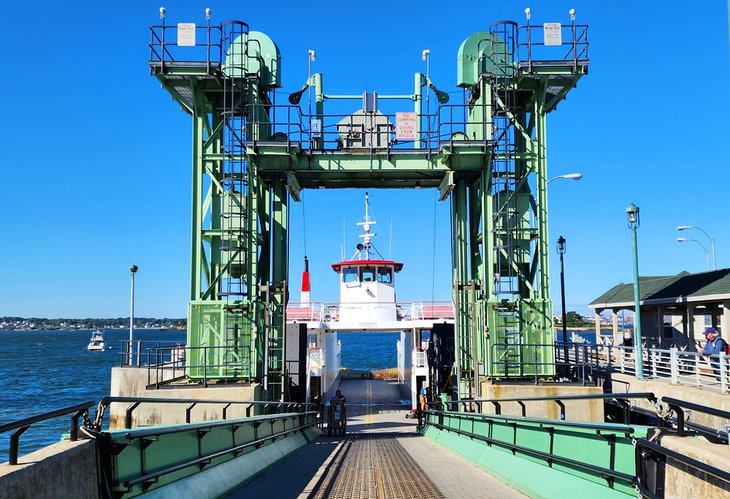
[714,346]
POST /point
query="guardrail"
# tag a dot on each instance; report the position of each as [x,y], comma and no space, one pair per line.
[21,426]
[623,398]
[678,406]
[574,447]
[677,366]
[142,459]
[264,407]
[651,452]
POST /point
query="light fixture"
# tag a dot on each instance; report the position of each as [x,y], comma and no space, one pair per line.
[425,54]
[572,14]
[311,53]
[162,12]
[561,245]
[632,213]
[207,13]
[527,13]
[568,176]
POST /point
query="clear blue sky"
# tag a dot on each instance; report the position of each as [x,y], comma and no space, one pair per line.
[96,158]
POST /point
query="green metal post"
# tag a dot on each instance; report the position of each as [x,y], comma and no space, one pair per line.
[633,216]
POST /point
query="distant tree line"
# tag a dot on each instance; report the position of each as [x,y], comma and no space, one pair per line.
[574,319]
[89,323]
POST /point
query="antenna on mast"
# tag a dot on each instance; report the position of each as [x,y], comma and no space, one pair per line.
[367,235]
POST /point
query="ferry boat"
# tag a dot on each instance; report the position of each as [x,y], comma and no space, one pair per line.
[367,303]
[96,343]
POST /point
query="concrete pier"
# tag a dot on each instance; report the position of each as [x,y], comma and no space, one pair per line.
[64,469]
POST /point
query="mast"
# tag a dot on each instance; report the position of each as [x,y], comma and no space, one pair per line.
[366,236]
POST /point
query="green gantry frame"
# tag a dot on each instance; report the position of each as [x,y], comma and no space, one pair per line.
[252,155]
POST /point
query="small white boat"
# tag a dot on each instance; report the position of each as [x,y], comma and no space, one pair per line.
[96,344]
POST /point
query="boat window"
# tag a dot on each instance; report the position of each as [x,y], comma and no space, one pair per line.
[385,274]
[367,274]
[349,274]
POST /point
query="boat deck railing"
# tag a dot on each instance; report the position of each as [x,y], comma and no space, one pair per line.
[330,311]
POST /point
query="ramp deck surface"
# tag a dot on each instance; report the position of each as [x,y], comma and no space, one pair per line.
[382,456]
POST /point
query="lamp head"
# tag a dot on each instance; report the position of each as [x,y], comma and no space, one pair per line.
[561,245]
[572,14]
[311,54]
[573,176]
[684,227]
[207,13]
[632,213]
[527,13]
[162,12]
[425,54]
[133,268]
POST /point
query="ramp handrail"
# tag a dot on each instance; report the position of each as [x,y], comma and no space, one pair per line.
[137,448]
[644,451]
[558,400]
[21,426]
[614,435]
[677,407]
[282,407]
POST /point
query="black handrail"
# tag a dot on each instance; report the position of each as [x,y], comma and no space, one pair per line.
[136,401]
[642,459]
[677,406]
[558,400]
[152,432]
[209,457]
[21,426]
[555,422]
[606,473]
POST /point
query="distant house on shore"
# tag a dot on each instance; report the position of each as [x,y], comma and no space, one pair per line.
[674,309]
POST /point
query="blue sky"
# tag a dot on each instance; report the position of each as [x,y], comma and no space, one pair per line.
[96,158]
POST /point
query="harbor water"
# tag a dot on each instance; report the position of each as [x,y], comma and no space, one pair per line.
[47,370]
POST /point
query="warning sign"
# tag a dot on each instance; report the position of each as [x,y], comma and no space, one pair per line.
[405,126]
[186,35]
[553,33]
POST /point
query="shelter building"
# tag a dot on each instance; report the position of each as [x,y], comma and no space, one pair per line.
[674,309]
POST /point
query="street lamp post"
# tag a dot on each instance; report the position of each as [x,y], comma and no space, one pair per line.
[632,212]
[707,253]
[712,241]
[133,269]
[561,252]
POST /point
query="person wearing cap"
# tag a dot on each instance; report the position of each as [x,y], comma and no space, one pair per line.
[714,346]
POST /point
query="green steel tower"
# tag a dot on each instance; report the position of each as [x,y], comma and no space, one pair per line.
[487,155]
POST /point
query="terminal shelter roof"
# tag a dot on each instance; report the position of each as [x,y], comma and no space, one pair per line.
[669,289]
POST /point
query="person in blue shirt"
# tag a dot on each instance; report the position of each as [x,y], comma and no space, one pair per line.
[713,346]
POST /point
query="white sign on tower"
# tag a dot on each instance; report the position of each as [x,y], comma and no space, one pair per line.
[186,34]
[553,33]
[405,126]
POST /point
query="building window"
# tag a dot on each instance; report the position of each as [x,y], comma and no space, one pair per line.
[367,274]
[349,274]
[385,274]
